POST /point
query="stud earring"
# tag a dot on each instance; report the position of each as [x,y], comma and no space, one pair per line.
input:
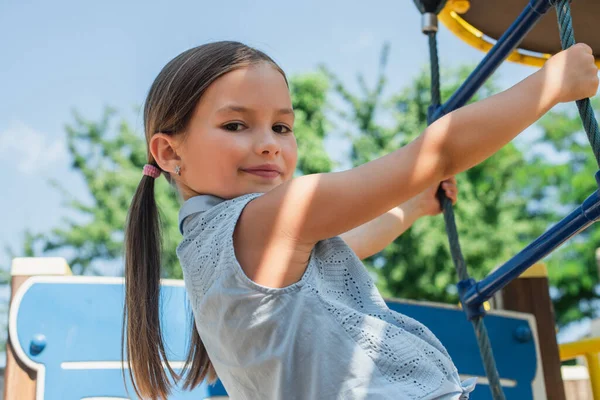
[178,170]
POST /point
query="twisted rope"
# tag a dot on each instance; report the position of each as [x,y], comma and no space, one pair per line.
[481,334]
[483,340]
[435,70]
[567,38]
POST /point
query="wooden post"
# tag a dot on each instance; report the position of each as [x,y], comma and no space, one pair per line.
[530,294]
[19,381]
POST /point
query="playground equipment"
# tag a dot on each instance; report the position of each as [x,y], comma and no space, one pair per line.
[66,331]
[65,338]
[473,294]
[72,347]
[590,349]
[482,23]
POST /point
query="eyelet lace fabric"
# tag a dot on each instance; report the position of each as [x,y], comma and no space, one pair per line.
[328,336]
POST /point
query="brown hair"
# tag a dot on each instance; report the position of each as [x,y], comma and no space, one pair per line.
[168,109]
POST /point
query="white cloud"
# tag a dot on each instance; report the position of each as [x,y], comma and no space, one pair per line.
[30,150]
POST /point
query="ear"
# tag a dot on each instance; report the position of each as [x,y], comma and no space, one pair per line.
[163,148]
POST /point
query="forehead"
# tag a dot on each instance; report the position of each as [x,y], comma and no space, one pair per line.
[259,86]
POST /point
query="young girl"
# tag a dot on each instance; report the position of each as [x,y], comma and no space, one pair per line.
[283,306]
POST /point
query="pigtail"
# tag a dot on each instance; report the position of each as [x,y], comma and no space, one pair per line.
[143,340]
[141,332]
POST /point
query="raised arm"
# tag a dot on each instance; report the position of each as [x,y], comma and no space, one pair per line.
[301,212]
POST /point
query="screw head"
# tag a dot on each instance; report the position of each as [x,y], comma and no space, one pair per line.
[523,334]
[37,345]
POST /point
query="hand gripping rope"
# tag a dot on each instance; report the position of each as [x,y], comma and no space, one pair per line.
[430,9]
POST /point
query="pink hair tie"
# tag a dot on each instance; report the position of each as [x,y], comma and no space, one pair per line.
[152,171]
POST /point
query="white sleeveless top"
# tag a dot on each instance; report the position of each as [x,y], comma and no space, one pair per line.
[328,336]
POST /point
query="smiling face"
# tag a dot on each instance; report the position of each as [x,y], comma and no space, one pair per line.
[240,137]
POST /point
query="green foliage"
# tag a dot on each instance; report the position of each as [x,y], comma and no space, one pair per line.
[309,99]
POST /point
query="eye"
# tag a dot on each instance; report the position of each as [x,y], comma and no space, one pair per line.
[279,128]
[233,126]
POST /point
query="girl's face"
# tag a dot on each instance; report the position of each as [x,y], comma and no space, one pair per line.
[240,137]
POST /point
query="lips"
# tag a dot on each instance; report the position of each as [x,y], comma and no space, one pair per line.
[265,171]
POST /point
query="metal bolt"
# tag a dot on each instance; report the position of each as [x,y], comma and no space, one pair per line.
[38,344]
[429,23]
[523,334]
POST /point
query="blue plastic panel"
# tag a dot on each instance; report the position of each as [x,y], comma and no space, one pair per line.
[80,320]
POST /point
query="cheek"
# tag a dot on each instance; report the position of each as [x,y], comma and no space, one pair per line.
[215,154]
[290,155]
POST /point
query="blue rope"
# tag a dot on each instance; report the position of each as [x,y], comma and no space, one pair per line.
[481,334]
[567,38]
[436,99]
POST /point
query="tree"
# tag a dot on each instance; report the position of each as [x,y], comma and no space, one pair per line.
[309,99]
[110,157]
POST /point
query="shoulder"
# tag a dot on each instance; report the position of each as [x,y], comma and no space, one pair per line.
[201,216]
[206,251]
[200,223]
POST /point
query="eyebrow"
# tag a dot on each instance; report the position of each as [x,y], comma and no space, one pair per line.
[241,109]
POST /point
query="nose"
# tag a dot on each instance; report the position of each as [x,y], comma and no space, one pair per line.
[266,143]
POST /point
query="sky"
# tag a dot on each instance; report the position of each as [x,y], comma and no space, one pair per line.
[59,56]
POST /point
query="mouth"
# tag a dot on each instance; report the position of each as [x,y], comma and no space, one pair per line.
[266,171]
[263,173]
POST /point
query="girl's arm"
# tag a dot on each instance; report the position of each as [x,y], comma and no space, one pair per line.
[277,231]
[374,236]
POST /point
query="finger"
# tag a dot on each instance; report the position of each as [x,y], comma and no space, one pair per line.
[451,194]
[585,47]
[448,190]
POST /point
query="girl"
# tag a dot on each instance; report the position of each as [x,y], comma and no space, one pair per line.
[283,307]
